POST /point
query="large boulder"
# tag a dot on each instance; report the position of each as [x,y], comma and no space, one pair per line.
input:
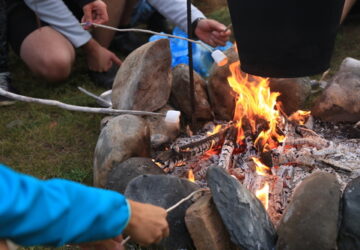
[143,81]
[123,172]
[349,234]
[165,191]
[122,137]
[206,227]
[180,94]
[162,132]
[243,214]
[293,92]
[311,219]
[340,101]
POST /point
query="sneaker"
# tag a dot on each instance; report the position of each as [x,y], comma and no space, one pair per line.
[5,83]
[104,79]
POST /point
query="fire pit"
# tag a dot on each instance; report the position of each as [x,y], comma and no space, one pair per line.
[273,155]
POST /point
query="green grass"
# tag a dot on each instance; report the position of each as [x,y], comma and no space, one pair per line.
[46,141]
[50,142]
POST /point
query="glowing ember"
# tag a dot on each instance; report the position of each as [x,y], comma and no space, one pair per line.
[263,195]
[191,176]
[255,104]
[261,169]
[216,130]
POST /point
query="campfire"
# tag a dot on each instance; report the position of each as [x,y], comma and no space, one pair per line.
[266,150]
[253,161]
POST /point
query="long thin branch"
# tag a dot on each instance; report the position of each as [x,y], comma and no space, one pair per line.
[208,47]
[70,107]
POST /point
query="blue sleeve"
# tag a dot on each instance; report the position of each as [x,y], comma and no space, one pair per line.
[57,212]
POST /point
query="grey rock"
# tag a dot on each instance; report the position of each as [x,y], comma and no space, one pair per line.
[165,191]
[123,172]
[123,137]
[180,94]
[349,234]
[350,64]
[105,120]
[311,218]
[294,92]
[221,95]
[160,131]
[143,81]
[340,100]
[206,227]
[242,213]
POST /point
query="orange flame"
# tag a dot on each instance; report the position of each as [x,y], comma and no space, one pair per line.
[300,116]
[256,103]
[191,176]
[216,130]
[261,169]
[263,195]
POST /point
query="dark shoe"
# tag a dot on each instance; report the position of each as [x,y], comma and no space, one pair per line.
[127,42]
[158,23]
[5,83]
[104,79]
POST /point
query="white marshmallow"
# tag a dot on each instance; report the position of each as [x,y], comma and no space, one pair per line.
[219,57]
[172,116]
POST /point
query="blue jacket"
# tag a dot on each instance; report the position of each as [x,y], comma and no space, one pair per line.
[57,212]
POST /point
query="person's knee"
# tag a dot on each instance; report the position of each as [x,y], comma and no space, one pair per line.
[48,54]
[55,68]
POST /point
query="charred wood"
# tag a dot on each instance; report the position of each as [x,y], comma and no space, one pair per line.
[312,141]
[228,149]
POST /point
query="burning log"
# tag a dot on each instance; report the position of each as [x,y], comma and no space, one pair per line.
[195,148]
[228,148]
[199,147]
[312,141]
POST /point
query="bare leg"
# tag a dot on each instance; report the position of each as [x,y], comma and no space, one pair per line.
[119,14]
[347,7]
[48,54]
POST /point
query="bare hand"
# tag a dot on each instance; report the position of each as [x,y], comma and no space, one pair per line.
[212,32]
[147,224]
[109,244]
[99,58]
[95,12]
[3,245]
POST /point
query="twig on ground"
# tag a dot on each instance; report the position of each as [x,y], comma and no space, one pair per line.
[98,98]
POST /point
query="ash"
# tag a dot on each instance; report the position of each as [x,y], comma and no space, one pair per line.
[315,146]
